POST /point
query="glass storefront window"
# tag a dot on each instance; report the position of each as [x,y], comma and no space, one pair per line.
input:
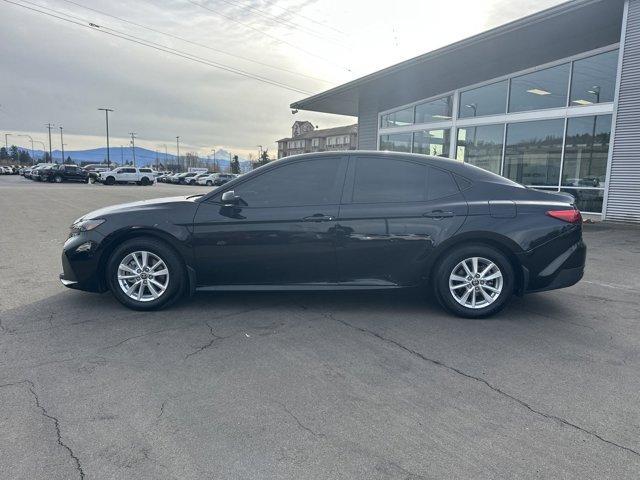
[538,90]
[432,142]
[487,100]
[434,111]
[588,200]
[533,151]
[396,142]
[586,151]
[400,118]
[481,146]
[594,79]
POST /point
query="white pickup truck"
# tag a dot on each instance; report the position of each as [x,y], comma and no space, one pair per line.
[140,176]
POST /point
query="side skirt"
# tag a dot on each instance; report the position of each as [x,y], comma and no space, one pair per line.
[297,287]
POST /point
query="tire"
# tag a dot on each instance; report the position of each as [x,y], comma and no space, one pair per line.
[209,183]
[109,181]
[174,282]
[498,285]
[144,181]
[57,179]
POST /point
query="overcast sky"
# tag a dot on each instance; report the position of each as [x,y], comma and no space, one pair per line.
[59,72]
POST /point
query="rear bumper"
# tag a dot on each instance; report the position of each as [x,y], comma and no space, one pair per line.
[563,271]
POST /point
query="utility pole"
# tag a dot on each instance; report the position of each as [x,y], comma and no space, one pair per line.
[156,159]
[178,147]
[6,140]
[49,126]
[62,144]
[133,146]
[106,113]
[121,155]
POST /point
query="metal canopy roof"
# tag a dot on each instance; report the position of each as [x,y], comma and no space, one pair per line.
[567,29]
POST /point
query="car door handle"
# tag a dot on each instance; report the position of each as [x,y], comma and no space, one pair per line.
[438,214]
[318,217]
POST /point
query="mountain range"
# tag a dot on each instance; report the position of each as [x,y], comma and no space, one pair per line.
[143,157]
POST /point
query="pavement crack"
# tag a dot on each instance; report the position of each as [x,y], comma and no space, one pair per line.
[145,335]
[515,399]
[297,420]
[164,404]
[56,423]
[207,345]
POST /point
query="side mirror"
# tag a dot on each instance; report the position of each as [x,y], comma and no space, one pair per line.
[230,198]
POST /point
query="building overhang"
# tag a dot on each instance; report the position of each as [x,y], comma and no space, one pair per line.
[568,29]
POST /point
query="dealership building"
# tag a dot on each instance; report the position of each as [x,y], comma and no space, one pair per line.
[551,100]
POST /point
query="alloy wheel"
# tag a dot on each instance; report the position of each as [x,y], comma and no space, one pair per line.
[475,282]
[143,276]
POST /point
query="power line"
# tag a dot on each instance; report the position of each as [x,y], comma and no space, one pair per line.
[155,46]
[315,20]
[201,45]
[251,27]
[280,21]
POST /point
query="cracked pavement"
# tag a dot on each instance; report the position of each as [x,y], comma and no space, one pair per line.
[288,386]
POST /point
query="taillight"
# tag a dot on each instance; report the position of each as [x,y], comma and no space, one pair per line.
[571,216]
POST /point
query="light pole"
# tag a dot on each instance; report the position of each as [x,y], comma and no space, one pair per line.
[178,148]
[6,140]
[49,126]
[62,144]
[133,146]
[106,114]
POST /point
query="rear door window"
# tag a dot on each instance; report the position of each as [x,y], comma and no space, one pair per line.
[441,184]
[384,180]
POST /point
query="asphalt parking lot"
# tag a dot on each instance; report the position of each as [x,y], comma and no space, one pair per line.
[323,386]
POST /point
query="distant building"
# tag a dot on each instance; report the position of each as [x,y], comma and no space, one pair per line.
[306,139]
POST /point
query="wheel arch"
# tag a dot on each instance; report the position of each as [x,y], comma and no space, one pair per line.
[117,238]
[504,245]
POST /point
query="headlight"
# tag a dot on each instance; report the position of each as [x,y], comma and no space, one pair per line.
[84,226]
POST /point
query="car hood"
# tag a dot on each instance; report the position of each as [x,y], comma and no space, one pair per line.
[141,206]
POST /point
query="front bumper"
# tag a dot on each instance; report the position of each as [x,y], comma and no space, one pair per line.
[81,256]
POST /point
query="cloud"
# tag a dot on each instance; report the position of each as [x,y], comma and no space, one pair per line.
[57,72]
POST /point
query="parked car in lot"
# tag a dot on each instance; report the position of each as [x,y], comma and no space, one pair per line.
[39,171]
[194,180]
[140,176]
[184,178]
[63,173]
[94,171]
[363,220]
[215,179]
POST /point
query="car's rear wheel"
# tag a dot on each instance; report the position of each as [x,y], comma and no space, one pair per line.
[209,183]
[57,179]
[474,281]
[144,181]
[145,274]
[110,181]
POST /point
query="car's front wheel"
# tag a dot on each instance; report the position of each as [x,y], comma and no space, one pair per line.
[145,274]
[474,281]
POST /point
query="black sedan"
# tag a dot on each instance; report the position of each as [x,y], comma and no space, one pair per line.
[329,221]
